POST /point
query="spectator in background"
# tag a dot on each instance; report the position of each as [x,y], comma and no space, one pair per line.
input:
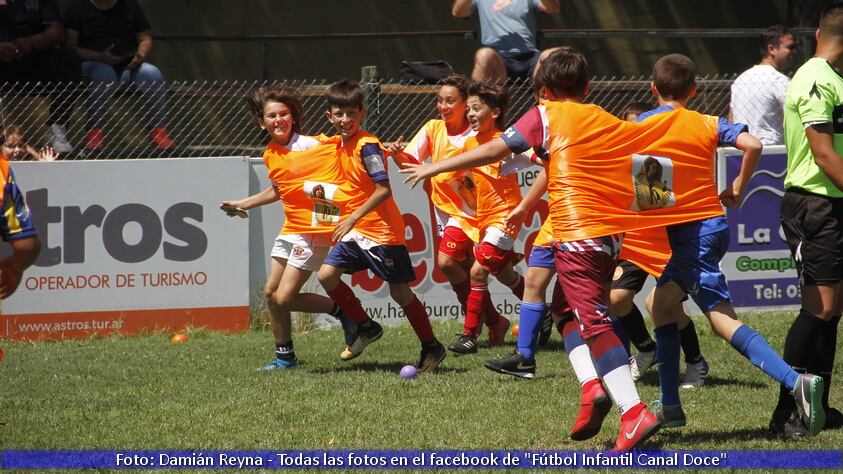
[508,35]
[112,37]
[30,35]
[15,147]
[758,93]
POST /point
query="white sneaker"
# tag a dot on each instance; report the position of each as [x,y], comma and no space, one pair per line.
[639,363]
[57,138]
[695,374]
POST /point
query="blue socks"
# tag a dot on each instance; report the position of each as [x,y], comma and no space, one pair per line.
[529,322]
[754,347]
[667,353]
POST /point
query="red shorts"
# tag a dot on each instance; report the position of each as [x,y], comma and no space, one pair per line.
[586,278]
[455,243]
[492,258]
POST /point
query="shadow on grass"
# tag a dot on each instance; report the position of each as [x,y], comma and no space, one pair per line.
[670,436]
[394,367]
[651,378]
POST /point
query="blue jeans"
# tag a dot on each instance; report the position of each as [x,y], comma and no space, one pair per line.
[104,82]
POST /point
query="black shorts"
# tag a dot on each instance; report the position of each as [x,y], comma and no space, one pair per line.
[520,64]
[628,276]
[813,227]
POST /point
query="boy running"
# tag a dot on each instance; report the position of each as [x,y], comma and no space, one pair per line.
[371,237]
[296,164]
[496,196]
[698,245]
[454,195]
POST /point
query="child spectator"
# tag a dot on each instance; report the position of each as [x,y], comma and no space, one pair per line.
[113,39]
[15,147]
[16,228]
[293,161]
[371,236]
[31,34]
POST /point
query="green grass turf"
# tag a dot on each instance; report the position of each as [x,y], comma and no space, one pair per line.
[144,392]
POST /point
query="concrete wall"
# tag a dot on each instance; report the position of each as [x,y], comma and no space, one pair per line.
[333,59]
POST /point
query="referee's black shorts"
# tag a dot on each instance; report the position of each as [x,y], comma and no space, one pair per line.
[813,227]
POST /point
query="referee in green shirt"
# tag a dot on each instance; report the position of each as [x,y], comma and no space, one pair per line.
[812,215]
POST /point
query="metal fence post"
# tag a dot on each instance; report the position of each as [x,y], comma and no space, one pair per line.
[371,90]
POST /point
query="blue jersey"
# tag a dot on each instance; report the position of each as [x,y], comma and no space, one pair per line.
[16,221]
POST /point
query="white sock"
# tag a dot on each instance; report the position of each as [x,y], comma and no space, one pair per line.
[621,388]
[582,364]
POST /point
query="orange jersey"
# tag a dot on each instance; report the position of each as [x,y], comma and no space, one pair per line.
[307,177]
[545,236]
[497,195]
[607,176]
[385,224]
[452,193]
[649,249]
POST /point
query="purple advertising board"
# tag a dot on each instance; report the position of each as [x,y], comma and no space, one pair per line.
[758,265]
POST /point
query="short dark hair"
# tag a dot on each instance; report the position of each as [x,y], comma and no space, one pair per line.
[674,75]
[345,93]
[636,108]
[457,81]
[831,19]
[286,95]
[10,130]
[564,72]
[772,35]
[493,95]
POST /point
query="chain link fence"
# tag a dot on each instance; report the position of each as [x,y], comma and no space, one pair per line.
[209,118]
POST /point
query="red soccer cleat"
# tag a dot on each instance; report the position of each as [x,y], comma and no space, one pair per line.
[594,406]
[636,428]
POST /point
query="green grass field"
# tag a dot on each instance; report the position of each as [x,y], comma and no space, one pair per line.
[144,392]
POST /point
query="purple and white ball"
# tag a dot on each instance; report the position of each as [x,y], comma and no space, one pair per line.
[408,372]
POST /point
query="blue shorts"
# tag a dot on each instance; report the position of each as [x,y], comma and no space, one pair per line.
[542,257]
[520,65]
[390,263]
[695,267]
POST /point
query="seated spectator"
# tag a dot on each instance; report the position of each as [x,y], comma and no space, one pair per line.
[15,147]
[633,109]
[758,93]
[30,36]
[112,37]
[508,35]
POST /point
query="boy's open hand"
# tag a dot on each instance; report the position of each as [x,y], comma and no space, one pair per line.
[417,173]
[343,228]
[515,218]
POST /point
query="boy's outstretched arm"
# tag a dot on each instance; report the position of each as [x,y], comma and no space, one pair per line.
[383,191]
[516,217]
[486,153]
[267,196]
[751,148]
[821,140]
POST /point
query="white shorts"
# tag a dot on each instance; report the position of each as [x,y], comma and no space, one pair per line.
[498,238]
[304,251]
[443,219]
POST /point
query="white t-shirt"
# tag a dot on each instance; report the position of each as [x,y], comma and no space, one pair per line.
[758,101]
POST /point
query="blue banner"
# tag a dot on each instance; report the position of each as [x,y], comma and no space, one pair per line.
[758,264]
[432,459]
